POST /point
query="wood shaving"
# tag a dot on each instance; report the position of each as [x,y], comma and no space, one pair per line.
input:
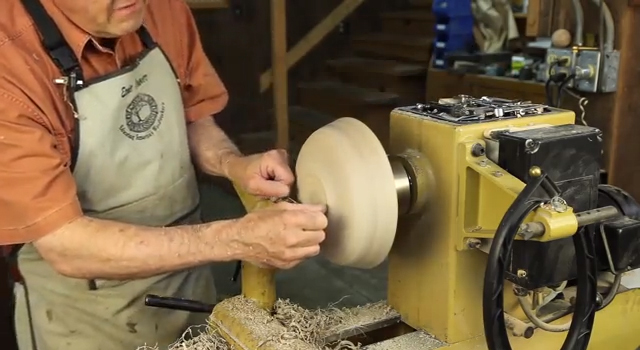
[200,337]
[309,326]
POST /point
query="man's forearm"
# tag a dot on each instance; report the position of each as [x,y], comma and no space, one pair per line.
[211,148]
[98,249]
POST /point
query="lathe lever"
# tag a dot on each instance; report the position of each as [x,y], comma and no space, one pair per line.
[177,304]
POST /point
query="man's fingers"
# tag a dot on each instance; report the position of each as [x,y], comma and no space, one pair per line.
[283,153]
[279,154]
[307,220]
[303,207]
[282,173]
[303,253]
[268,188]
[276,165]
[279,263]
[310,238]
[287,265]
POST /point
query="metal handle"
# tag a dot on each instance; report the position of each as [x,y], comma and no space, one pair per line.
[177,304]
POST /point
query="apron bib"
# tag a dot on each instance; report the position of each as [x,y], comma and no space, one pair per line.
[131,163]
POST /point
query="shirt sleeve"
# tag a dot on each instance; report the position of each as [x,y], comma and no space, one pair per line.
[37,189]
[204,94]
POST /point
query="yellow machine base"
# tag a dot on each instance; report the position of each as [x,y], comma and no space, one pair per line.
[248,327]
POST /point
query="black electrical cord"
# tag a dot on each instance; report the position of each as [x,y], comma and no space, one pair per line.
[557,79]
[548,93]
[586,305]
[562,87]
[493,293]
[560,79]
[547,84]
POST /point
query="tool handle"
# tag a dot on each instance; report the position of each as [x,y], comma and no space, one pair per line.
[177,304]
[236,272]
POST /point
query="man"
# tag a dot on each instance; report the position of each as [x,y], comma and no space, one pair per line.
[104,107]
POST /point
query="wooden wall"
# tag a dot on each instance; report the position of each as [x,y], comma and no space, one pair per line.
[238,43]
[623,121]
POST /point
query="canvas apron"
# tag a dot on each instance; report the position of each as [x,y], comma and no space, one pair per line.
[132,164]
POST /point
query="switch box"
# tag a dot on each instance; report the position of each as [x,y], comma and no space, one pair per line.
[585,63]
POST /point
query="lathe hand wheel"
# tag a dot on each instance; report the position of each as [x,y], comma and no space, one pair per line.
[344,166]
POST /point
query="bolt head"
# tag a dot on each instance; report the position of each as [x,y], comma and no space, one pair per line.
[477,150]
[535,171]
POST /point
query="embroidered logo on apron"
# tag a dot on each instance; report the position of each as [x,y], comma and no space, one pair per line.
[143,115]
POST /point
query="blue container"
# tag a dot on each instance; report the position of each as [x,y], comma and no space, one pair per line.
[458,43]
[453,27]
[451,8]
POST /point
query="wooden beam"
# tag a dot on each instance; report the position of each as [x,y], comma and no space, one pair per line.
[623,165]
[540,16]
[280,70]
[207,4]
[533,18]
[312,38]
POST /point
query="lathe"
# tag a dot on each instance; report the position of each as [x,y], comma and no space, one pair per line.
[497,229]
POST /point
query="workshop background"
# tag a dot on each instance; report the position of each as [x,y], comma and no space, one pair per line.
[380,54]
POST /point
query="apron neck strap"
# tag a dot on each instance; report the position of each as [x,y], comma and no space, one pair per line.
[145,37]
[58,48]
[52,38]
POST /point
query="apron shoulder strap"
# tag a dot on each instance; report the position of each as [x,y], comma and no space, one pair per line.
[64,57]
[57,46]
[145,37]
[52,38]
[10,256]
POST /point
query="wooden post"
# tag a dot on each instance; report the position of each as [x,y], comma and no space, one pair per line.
[313,38]
[280,76]
[623,163]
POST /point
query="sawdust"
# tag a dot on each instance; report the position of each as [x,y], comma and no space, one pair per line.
[288,327]
[200,337]
[313,326]
[413,341]
[245,323]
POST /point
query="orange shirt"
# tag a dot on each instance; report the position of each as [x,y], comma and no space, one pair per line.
[37,189]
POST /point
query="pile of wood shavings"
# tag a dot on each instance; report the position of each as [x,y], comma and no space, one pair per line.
[309,326]
[201,337]
[312,326]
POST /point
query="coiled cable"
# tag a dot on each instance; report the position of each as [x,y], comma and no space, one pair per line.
[493,292]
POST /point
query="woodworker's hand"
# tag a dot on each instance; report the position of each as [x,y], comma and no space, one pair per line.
[282,235]
[265,174]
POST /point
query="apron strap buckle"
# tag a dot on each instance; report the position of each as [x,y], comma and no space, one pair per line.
[64,58]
